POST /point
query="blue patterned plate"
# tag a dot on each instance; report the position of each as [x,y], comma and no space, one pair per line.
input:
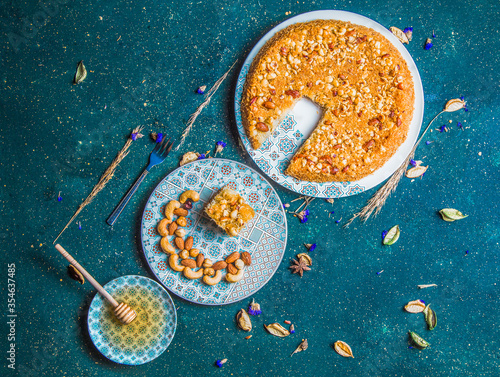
[147,336]
[264,237]
[275,154]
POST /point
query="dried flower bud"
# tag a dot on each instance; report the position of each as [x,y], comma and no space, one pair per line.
[454,105]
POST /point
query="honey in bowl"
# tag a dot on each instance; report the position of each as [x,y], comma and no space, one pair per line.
[145,331]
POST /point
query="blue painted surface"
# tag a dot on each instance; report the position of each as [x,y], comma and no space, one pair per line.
[145,61]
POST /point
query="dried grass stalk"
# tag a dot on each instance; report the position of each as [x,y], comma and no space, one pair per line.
[200,108]
[377,201]
[105,178]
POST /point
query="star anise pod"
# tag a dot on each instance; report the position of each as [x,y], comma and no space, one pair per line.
[299,266]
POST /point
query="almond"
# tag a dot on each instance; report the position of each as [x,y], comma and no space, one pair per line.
[179,242]
[191,263]
[180,212]
[262,127]
[220,265]
[188,244]
[172,228]
[293,93]
[246,258]
[231,269]
[199,260]
[232,257]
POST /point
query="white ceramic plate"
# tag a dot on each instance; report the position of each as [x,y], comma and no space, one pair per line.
[264,237]
[274,155]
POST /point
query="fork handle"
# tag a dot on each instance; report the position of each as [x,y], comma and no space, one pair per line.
[123,203]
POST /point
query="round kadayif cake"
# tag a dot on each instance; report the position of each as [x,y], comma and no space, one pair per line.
[354,74]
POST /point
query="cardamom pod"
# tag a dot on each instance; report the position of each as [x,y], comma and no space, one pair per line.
[75,274]
[343,349]
[450,214]
[277,330]
[403,38]
[416,172]
[416,306]
[81,73]
[307,259]
[243,320]
[430,317]
[418,341]
[454,105]
[392,235]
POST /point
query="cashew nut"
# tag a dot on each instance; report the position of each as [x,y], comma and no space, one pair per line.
[194,252]
[207,263]
[190,274]
[213,280]
[209,271]
[172,261]
[162,227]
[184,254]
[233,278]
[181,221]
[189,194]
[180,232]
[239,264]
[169,209]
[166,246]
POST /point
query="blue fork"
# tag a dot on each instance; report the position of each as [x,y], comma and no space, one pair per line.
[157,156]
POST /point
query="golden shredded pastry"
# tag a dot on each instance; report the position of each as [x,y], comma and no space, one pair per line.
[229,211]
[354,74]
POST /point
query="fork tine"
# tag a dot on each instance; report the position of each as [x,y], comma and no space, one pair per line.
[166,148]
[157,147]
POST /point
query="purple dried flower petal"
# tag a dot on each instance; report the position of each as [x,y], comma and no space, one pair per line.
[254,308]
[159,137]
[59,197]
[427,142]
[428,44]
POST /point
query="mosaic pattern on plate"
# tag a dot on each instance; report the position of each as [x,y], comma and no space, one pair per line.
[147,336]
[267,230]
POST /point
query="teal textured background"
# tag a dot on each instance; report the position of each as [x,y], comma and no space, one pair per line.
[145,61]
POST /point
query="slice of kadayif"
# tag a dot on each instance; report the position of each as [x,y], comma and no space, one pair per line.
[359,79]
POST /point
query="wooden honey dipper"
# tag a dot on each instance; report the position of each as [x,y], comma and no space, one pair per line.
[122,311]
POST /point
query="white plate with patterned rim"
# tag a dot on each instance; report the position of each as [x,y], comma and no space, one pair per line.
[148,336]
[274,155]
[264,237]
